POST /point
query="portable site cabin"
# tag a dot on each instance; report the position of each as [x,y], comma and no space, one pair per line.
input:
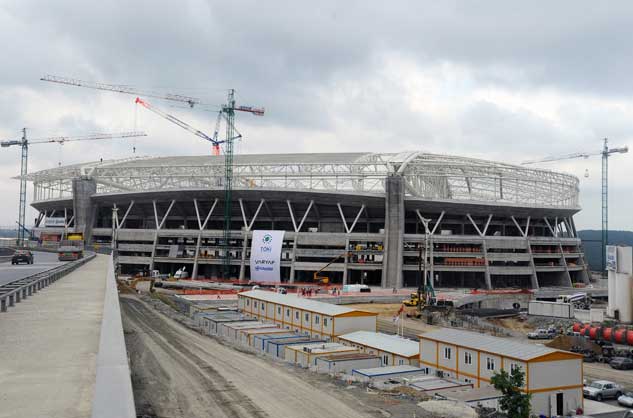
[246,335]
[553,377]
[277,348]
[393,350]
[346,362]
[319,319]
[305,355]
[229,330]
[385,373]
[211,325]
[260,341]
[236,330]
[198,317]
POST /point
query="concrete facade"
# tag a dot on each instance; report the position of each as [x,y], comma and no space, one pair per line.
[84,210]
[373,224]
[394,230]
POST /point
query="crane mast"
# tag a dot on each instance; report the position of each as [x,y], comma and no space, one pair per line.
[605,153]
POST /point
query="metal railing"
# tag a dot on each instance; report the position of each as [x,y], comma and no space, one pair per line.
[16,291]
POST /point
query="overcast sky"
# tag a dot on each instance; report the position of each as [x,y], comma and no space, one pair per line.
[496,80]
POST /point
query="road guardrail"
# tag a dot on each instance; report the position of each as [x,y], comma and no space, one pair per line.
[16,291]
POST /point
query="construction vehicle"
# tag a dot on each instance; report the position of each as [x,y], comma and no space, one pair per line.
[577,300]
[325,279]
[61,140]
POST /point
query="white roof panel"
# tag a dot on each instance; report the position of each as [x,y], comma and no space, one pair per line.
[502,346]
[395,344]
[383,371]
[301,303]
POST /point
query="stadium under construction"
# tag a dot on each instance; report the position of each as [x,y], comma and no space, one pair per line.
[379,218]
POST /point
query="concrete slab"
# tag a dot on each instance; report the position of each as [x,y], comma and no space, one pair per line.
[49,344]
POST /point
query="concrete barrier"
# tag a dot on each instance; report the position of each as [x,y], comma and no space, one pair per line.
[113,396]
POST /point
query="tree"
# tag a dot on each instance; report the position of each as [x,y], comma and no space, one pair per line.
[514,402]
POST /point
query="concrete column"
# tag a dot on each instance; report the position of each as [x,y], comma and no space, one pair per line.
[533,276]
[194,273]
[83,208]
[243,259]
[484,248]
[294,257]
[345,260]
[567,275]
[394,229]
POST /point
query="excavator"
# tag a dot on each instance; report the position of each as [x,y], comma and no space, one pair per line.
[418,301]
[325,279]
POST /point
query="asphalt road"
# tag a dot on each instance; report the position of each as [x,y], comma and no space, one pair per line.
[41,261]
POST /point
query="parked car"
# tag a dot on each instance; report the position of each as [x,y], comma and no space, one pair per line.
[22,256]
[589,357]
[602,389]
[542,334]
[622,363]
[626,399]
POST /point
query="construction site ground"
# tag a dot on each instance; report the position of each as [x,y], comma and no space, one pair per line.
[178,372]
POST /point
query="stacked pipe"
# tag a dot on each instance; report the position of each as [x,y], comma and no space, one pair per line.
[615,335]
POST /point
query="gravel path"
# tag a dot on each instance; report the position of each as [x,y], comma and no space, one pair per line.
[177,372]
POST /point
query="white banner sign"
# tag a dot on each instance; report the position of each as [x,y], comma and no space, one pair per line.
[612,257]
[266,255]
[54,222]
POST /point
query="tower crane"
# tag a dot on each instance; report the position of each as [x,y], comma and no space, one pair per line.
[24,144]
[606,152]
[226,112]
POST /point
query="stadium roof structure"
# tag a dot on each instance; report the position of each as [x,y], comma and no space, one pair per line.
[427,177]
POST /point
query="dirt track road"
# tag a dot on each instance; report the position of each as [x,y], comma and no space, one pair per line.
[177,372]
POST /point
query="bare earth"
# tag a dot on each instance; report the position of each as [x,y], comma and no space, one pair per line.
[177,372]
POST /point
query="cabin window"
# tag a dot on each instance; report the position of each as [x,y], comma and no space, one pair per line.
[316,319]
[468,358]
[307,317]
[447,353]
[490,363]
[325,322]
[278,310]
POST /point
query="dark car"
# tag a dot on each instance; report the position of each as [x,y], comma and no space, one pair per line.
[22,256]
[622,363]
